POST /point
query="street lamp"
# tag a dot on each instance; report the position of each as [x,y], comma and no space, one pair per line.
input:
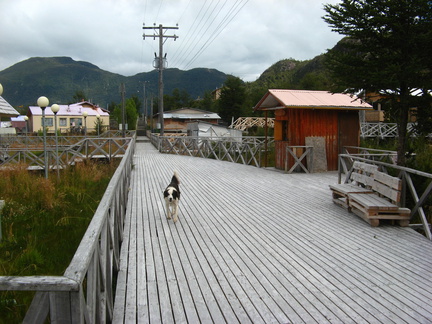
[26,121]
[98,124]
[1,89]
[43,102]
[55,109]
[85,114]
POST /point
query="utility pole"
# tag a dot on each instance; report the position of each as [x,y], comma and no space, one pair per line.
[159,64]
[122,91]
[145,112]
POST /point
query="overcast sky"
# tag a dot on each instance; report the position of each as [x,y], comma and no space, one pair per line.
[239,37]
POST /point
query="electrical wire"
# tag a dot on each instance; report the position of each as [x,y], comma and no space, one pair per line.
[208,21]
[234,10]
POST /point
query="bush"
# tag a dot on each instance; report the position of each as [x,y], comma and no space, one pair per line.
[43,222]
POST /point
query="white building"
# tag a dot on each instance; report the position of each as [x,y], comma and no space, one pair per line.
[70,118]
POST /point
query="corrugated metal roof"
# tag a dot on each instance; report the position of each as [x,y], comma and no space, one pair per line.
[191,116]
[279,99]
[6,110]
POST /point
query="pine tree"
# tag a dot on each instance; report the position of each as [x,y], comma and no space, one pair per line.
[387,50]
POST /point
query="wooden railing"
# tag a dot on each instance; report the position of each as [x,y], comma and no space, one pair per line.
[18,141]
[299,153]
[85,293]
[245,150]
[385,130]
[410,192]
[63,155]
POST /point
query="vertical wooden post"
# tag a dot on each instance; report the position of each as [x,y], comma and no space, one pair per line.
[266,139]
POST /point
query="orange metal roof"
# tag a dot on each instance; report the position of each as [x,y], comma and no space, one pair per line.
[280,99]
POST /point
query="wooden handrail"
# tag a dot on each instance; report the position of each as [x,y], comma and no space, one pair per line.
[345,163]
[245,150]
[84,294]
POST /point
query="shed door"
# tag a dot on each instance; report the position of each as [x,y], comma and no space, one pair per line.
[349,129]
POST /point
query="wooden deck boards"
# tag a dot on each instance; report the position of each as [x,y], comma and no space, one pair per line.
[258,246]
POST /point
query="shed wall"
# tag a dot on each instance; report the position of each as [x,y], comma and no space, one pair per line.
[294,125]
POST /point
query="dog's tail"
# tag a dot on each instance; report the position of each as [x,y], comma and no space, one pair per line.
[176,178]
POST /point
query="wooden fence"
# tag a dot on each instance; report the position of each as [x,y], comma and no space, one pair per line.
[385,130]
[410,188]
[85,293]
[62,155]
[245,150]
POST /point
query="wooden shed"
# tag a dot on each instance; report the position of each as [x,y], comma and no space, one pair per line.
[302,116]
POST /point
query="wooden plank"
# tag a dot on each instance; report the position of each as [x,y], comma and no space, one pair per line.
[141,212]
[366,167]
[388,180]
[371,202]
[122,283]
[254,245]
[362,179]
[39,308]
[346,188]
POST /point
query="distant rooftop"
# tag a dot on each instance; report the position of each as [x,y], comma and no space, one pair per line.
[279,99]
[6,110]
[75,109]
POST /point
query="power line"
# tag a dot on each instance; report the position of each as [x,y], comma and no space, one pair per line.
[220,27]
[187,40]
[184,57]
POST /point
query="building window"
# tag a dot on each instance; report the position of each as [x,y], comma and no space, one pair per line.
[48,122]
[76,122]
[63,122]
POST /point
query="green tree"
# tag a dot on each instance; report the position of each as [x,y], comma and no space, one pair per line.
[232,99]
[177,99]
[138,104]
[79,96]
[387,50]
[206,103]
[131,113]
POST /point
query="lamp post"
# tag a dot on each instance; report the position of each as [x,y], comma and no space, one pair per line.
[98,124]
[85,114]
[43,102]
[26,121]
[55,109]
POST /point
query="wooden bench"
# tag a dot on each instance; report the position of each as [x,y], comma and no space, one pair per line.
[359,180]
[378,196]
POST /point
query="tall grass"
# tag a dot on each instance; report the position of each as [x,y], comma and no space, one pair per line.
[43,222]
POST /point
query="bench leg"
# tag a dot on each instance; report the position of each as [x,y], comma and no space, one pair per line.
[404,223]
[374,222]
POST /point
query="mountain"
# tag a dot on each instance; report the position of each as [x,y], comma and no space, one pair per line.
[59,78]
[293,74]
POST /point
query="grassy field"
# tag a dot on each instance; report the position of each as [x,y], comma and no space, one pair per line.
[43,222]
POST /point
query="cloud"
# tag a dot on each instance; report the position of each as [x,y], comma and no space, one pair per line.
[241,37]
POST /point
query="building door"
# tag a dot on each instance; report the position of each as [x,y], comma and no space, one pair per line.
[349,130]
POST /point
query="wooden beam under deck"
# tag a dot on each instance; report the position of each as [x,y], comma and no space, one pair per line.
[261,246]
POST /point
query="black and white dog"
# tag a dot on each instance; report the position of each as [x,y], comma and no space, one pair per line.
[172,197]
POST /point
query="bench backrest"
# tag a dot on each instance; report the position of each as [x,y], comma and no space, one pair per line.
[387,186]
[362,174]
[368,176]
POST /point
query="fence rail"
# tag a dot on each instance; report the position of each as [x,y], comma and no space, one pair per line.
[386,163]
[385,130]
[245,150]
[63,155]
[84,294]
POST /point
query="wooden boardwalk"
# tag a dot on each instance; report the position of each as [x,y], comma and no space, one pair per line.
[259,246]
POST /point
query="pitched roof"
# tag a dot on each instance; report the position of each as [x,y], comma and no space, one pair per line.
[71,110]
[6,110]
[190,113]
[313,99]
